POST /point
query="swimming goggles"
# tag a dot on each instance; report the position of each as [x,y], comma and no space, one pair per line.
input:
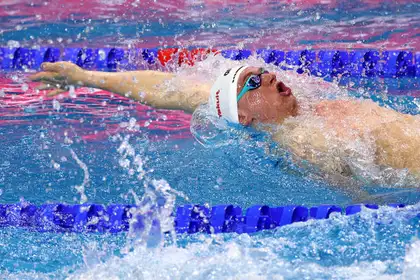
[253,82]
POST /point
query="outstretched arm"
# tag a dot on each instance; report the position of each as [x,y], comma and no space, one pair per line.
[153,88]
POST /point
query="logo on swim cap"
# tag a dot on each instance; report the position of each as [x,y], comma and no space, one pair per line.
[234,76]
[227,72]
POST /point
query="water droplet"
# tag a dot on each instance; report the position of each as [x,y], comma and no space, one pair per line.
[24,87]
[13,44]
[56,105]
[72,92]
[102,54]
[29,109]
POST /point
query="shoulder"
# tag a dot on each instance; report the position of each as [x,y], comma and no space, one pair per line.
[327,106]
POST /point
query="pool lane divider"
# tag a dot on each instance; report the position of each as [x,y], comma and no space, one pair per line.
[321,63]
[188,219]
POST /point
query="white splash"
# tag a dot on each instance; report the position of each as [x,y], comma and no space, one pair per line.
[81,188]
[412,261]
[263,256]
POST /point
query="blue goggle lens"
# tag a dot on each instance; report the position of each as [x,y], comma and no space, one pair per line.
[254,81]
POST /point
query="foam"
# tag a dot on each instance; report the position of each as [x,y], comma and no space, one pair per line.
[360,250]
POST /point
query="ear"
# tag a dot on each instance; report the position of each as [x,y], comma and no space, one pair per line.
[245,118]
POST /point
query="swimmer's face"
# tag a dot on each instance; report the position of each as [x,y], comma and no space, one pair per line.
[272,102]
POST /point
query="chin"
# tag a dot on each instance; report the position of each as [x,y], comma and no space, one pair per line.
[289,106]
[295,107]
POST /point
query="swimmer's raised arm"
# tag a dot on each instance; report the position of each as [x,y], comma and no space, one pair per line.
[153,88]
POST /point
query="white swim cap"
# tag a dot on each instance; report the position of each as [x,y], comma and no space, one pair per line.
[223,94]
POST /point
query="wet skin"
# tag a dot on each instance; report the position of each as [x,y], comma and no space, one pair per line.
[272,102]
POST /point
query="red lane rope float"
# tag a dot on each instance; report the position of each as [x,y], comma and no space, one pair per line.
[183,56]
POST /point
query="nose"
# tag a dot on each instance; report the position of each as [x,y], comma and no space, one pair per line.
[269,79]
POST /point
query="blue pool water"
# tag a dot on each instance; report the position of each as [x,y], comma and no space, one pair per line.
[49,147]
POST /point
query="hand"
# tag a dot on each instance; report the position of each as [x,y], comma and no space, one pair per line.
[59,76]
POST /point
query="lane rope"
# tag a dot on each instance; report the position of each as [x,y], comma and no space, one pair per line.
[189,219]
[321,63]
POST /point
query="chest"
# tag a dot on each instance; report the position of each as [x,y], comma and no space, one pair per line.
[349,119]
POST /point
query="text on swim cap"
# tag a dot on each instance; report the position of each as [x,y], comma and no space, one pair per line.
[219,111]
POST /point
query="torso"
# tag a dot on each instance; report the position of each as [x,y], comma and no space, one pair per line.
[355,138]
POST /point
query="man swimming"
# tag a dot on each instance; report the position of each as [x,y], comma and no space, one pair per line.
[342,138]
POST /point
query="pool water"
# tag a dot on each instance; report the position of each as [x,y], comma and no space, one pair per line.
[275,24]
[113,147]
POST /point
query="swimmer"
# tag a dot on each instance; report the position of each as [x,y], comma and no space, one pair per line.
[342,139]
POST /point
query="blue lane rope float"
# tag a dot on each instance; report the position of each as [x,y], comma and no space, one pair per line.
[322,63]
[188,218]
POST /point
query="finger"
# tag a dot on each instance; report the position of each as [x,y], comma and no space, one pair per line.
[43,76]
[56,92]
[55,66]
[48,86]
[48,66]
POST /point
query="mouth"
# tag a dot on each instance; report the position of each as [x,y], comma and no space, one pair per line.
[283,89]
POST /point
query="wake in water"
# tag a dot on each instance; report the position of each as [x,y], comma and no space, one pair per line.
[361,246]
